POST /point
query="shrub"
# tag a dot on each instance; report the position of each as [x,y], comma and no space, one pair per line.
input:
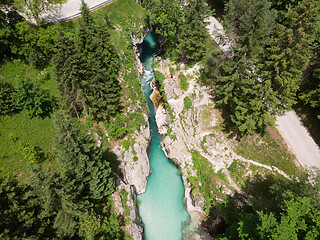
[125,144]
[6,98]
[183,82]
[116,127]
[187,103]
[38,102]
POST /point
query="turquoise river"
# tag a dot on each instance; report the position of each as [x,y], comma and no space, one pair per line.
[161,206]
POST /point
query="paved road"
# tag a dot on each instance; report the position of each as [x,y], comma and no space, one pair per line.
[289,125]
[71,9]
[298,139]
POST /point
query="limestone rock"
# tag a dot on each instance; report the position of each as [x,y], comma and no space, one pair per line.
[162,119]
[156,98]
[134,227]
[136,166]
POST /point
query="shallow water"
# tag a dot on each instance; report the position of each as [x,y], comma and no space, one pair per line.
[161,206]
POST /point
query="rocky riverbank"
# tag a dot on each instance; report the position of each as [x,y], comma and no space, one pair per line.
[192,125]
[133,160]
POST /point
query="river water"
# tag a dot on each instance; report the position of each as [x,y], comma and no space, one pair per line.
[161,206]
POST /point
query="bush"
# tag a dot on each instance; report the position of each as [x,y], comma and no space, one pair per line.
[38,102]
[6,98]
[183,82]
[125,144]
[187,103]
[116,127]
[159,76]
[32,153]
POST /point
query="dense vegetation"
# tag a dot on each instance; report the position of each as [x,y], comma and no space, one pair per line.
[87,71]
[53,86]
[274,64]
[274,208]
[274,44]
[73,204]
[57,83]
[180,26]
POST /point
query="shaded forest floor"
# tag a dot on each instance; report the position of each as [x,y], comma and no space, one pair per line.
[310,120]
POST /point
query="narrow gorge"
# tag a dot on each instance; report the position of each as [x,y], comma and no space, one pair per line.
[161,206]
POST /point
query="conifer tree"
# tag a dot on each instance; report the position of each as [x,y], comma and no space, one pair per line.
[310,92]
[289,53]
[250,23]
[68,75]
[238,88]
[101,89]
[87,178]
[85,166]
[89,81]
[192,36]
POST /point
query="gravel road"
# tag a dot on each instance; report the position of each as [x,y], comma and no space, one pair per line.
[298,139]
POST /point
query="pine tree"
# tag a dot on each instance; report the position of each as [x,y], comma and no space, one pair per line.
[87,71]
[238,88]
[289,53]
[87,178]
[250,23]
[310,92]
[101,89]
[192,40]
[84,163]
[67,66]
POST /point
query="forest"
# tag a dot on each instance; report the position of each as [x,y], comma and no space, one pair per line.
[61,82]
[66,193]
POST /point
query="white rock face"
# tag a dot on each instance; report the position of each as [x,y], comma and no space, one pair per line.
[162,119]
[194,129]
[136,167]
[134,162]
[135,227]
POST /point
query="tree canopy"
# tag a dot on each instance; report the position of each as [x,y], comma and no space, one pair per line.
[89,82]
[270,56]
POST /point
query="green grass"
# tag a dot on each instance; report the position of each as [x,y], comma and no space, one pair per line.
[187,103]
[36,131]
[12,71]
[128,17]
[237,171]
[267,150]
[159,77]
[204,141]
[124,200]
[183,82]
[208,178]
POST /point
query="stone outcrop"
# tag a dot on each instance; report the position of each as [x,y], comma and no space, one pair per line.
[135,227]
[162,119]
[134,161]
[162,116]
[193,128]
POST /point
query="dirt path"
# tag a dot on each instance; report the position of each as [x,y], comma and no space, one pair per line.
[289,126]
